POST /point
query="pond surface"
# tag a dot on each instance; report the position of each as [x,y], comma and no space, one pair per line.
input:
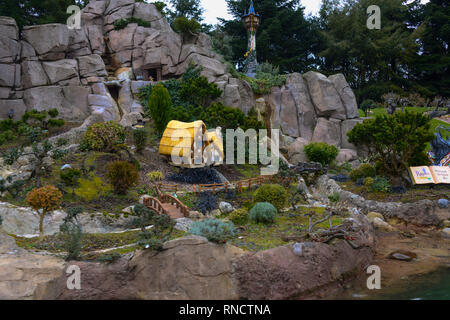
[433,286]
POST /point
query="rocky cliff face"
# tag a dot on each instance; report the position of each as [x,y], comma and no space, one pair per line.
[99,70]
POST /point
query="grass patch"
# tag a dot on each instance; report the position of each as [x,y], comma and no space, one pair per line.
[256,237]
[91,242]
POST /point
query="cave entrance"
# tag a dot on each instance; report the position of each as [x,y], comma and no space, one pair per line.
[150,73]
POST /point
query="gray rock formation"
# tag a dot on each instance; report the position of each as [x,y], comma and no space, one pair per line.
[98,70]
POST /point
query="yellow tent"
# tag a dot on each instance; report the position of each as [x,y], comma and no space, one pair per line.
[178,140]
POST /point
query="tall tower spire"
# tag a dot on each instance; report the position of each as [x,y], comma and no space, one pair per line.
[251,21]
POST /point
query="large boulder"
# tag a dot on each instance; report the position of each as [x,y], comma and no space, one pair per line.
[346,155]
[62,72]
[325,97]
[296,153]
[91,66]
[49,40]
[328,131]
[279,273]
[347,96]
[33,74]
[8,28]
[190,268]
[17,106]
[105,106]
[23,276]
[71,101]
[9,50]
[305,109]
[7,75]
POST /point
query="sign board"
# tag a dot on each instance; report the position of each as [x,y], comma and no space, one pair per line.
[427,175]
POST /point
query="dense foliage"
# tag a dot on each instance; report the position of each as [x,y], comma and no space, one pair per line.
[321,152]
[263,212]
[44,200]
[154,237]
[104,136]
[123,23]
[140,137]
[272,193]
[396,141]
[122,176]
[160,105]
[214,230]
[72,233]
[239,216]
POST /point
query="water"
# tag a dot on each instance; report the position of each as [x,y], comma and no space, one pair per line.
[433,286]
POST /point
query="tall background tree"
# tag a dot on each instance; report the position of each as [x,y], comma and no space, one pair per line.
[190,9]
[432,66]
[285,37]
[30,12]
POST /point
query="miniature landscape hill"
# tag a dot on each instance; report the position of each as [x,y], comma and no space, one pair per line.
[142,228]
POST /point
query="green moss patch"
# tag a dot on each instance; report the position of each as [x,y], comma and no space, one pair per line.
[256,237]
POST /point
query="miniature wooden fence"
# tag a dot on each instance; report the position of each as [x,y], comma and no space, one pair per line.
[167,187]
[211,187]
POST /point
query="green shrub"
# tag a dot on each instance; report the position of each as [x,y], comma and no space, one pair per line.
[214,230]
[363,171]
[239,216]
[368,182]
[140,137]
[366,105]
[11,156]
[155,176]
[367,170]
[155,237]
[160,105]
[272,193]
[381,184]
[92,189]
[123,23]
[187,27]
[396,140]
[104,136]
[267,68]
[321,152]
[199,91]
[263,212]
[334,197]
[72,233]
[122,176]
[70,176]
[159,6]
[264,82]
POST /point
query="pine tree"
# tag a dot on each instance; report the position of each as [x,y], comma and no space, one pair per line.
[160,105]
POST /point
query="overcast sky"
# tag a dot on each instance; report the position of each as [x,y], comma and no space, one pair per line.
[218,8]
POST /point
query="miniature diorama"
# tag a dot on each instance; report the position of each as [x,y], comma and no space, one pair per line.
[136,138]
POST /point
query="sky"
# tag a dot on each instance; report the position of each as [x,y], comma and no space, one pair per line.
[218,8]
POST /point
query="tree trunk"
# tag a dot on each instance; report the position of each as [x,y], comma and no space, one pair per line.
[41,225]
